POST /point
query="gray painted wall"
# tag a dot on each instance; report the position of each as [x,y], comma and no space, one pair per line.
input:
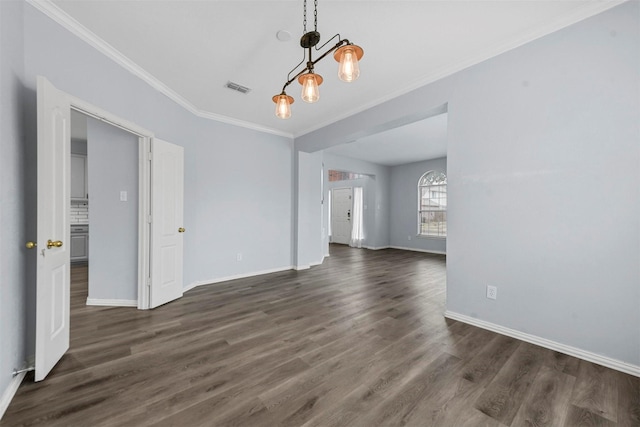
[112,163]
[543,181]
[309,210]
[15,231]
[404,206]
[566,268]
[237,181]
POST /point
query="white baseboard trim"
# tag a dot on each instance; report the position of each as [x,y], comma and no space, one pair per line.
[10,391]
[376,248]
[552,345]
[112,302]
[418,250]
[236,276]
[319,262]
[302,267]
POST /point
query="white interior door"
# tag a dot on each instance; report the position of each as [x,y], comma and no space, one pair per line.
[341,215]
[167,228]
[53,281]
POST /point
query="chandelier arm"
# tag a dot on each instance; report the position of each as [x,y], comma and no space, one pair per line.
[304,57]
[310,65]
[329,41]
[337,45]
[293,79]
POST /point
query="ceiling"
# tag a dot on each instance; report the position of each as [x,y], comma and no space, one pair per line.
[421,140]
[190,49]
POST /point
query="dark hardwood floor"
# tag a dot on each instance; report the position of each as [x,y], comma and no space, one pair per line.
[358,341]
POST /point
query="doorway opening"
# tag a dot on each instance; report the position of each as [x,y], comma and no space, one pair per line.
[103,213]
[160,243]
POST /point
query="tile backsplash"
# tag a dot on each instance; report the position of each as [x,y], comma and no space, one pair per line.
[79,213]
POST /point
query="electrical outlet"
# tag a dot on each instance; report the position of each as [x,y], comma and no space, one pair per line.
[492,292]
[408,237]
[239,256]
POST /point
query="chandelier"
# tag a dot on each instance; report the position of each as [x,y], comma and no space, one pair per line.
[346,53]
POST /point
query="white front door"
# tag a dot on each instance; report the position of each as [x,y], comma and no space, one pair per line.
[167,226]
[341,205]
[53,281]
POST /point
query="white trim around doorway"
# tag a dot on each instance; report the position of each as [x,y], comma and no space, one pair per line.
[144,186]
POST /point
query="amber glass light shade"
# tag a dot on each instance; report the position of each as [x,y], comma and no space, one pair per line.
[348,57]
[310,83]
[283,105]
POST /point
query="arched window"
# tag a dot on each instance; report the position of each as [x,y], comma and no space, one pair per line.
[432,205]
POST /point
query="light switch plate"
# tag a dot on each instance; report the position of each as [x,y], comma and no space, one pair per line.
[123,196]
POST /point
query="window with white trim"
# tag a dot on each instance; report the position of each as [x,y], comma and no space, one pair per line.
[432,204]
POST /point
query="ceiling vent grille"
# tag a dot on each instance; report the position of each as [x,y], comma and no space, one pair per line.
[237,87]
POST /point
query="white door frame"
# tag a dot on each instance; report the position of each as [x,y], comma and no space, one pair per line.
[144,186]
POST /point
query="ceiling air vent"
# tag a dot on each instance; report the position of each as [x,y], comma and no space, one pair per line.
[237,87]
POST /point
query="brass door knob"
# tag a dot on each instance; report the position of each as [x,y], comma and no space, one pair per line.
[181,230]
[51,244]
[31,245]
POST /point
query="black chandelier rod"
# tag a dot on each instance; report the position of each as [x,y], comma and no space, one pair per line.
[310,63]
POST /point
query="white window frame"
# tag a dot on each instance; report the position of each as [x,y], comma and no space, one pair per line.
[434,182]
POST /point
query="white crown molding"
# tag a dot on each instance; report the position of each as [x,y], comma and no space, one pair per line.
[608,362]
[61,17]
[587,11]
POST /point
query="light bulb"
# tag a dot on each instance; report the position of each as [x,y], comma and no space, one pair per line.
[310,92]
[348,70]
[283,105]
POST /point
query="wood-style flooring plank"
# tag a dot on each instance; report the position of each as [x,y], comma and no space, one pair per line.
[596,390]
[482,368]
[410,355]
[360,340]
[547,402]
[584,418]
[402,407]
[502,398]
[628,400]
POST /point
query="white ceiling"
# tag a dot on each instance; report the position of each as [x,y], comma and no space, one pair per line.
[190,49]
[422,140]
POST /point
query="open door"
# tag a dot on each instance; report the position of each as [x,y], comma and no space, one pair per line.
[53,281]
[167,228]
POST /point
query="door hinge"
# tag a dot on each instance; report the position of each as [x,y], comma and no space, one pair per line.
[150,155]
[149,219]
[148,281]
